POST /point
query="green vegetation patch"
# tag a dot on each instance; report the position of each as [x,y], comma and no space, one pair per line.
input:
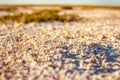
[40,16]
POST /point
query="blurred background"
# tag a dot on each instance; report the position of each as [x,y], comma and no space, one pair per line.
[74,2]
[27,11]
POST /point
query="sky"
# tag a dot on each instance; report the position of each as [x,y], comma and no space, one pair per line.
[78,2]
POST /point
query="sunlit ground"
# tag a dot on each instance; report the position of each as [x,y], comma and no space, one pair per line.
[59,43]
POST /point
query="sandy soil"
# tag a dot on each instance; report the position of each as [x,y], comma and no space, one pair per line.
[85,50]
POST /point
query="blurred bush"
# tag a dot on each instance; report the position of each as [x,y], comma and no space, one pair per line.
[40,16]
[43,15]
[8,9]
[67,7]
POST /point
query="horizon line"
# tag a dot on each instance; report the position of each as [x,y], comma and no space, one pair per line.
[61,4]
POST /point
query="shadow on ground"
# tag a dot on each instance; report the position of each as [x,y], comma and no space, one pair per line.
[93,50]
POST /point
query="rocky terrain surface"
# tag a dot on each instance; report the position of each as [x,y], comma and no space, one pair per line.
[88,49]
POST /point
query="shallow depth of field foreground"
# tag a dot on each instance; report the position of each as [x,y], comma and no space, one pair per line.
[88,49]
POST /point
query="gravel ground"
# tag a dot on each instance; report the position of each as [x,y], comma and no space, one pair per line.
[84,50]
